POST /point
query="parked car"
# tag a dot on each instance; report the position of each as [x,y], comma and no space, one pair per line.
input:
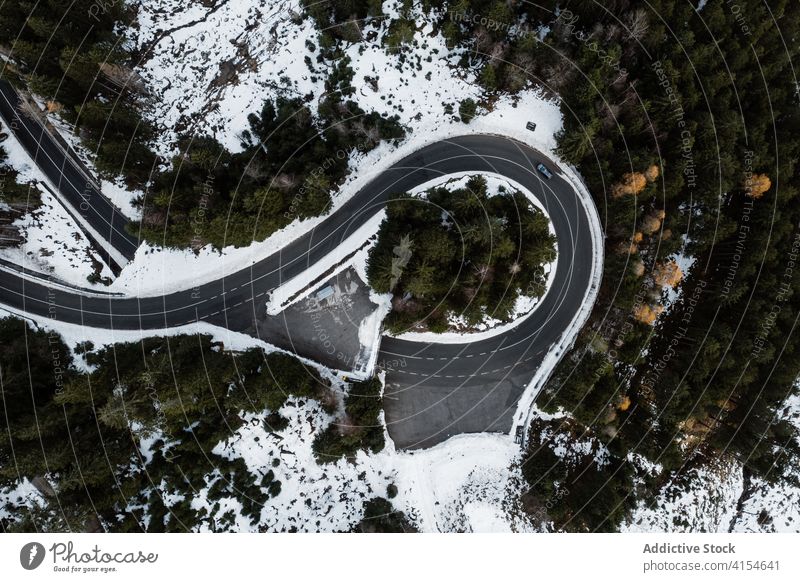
[544,171]
[531,126]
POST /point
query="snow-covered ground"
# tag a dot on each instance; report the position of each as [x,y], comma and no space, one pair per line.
[54,245]
[265,39]
[770,508]
[209,65]
[122,198]
[468,483]
[706,502]
[714,499]
[24,494]
[464,484]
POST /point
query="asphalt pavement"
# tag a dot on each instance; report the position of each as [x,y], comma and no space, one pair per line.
[434,390]
[100,220]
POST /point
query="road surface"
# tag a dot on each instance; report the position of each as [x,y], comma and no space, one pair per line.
[433,391]
[100,220]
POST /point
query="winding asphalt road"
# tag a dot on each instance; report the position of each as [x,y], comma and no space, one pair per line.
[433,391]
[99,219]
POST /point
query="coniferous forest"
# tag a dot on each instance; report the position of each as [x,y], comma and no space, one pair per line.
[80,438]
[684,124]
[71,55]
[441,256]
[687,136]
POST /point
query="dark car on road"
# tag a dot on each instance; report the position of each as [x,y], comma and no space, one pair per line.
[544,171]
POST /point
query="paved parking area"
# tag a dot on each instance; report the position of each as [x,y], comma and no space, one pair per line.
[324,325]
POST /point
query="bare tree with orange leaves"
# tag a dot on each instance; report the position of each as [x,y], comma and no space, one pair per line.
[646,313]
[756,185]
[667,274]
[632,183]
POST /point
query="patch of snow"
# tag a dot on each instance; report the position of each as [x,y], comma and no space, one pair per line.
[24,494]
[685,263]
[413,84]
[463,484]
[18,158]
[55,246]
[213,64]
[770,508]
[485,518]
[313,497]
[122,198]
[704,500]
[369,332]
[569,448]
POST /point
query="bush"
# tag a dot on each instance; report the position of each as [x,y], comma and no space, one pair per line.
[359,430]
[467,110]
[381,517]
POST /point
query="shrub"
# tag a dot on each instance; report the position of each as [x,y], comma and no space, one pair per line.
[467,110]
